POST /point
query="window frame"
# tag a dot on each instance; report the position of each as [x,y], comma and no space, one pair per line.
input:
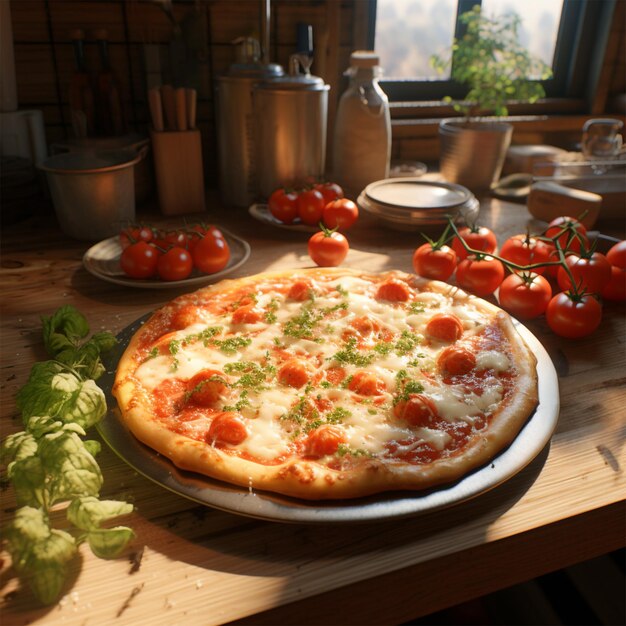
[581,43]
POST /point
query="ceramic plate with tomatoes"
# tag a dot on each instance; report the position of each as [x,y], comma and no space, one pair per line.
[103,260]
[262,213]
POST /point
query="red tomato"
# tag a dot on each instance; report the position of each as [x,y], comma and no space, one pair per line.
[615,289]
[341,214]
[525,250]
[177,238]
[435,263]
[294,374]
[139,260]
[206,387]
[417,410]
[568,231]
[129,235]
[444,327]
[328,248]
[617,255]
[227,427]
[591,273]
[525,296]
[393,290]
[324,440]
[477,238]
[211,254]
[283,205]
[480,276]
[175,264]
[310,206]
[456,360]
[330,191]
[573,316]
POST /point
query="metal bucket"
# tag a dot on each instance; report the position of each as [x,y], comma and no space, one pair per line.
[93,194]
[472,154]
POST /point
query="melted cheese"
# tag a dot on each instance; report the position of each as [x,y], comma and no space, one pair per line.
[368,423]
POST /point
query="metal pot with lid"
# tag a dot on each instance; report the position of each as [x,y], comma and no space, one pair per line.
[237,172]
[290,127]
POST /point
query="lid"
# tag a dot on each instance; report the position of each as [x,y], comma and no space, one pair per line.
[248,64]
[295,80]
[408,193]
[364,58]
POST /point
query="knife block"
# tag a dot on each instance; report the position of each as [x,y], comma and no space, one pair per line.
[178,171]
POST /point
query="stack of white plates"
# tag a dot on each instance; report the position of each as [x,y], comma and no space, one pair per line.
[407,203]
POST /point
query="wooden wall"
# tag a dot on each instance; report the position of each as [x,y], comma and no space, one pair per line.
[44,60]
[139,30]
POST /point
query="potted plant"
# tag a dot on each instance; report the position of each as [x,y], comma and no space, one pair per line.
[490,61]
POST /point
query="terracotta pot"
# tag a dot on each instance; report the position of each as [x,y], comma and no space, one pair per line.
[472,153]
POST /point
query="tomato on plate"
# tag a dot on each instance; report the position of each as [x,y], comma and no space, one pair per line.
[526,250]
[573,316]
[591,272]
[480,276]
[615,289]
[211,254]
[283,205]
[328,248]
[525,295]
[330,191]
[433,261]
[617,255]
[340,214]
[569,233]
[478,238]
[175,264]
[310,205]
[139,260]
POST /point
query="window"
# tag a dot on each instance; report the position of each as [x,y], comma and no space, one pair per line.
[568,35]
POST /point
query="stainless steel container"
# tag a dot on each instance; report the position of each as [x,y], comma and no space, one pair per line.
[290,129]
[235,124]
[93,194]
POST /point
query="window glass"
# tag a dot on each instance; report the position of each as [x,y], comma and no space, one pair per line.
[409,32]
[539,23]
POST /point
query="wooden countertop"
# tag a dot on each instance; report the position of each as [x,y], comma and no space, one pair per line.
[195,564]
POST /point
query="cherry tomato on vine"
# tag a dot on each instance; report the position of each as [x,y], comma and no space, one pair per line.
[525,295]
[525,250]
[478,238]
[434,262]
[139,260]
[573,316]
[617,255]
[129,236]
[479,276]
[175,264]
[283,205]
[310,205]
[568,231]
[328,248]
[341,213]
[177,238]
[591,272]
[330,191]
[211,254]
[615,289]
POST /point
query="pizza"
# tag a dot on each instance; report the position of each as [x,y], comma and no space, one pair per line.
[328,383]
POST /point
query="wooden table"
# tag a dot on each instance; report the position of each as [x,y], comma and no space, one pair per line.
[194,564]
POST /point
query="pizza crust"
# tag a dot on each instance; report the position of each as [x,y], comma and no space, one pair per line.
[305,478]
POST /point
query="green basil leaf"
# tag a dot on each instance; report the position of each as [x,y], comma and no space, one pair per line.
[29,480]
[107,543]
[63,329]
[38,396]
[89,512]
[71,468]
[40,425]
[86,406]
[17,447]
